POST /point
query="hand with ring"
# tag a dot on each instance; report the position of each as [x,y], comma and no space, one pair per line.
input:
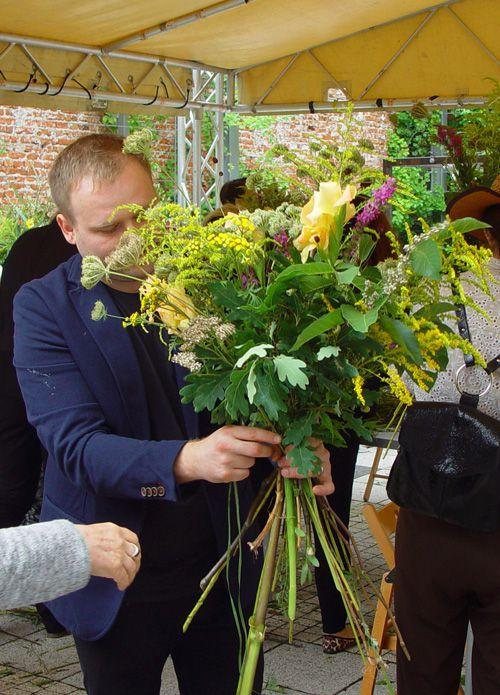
[114,552]
[325,484]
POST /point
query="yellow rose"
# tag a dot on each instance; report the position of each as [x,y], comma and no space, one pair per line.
[178,312]
[318,215]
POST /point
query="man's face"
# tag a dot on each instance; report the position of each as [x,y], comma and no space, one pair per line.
[92,206]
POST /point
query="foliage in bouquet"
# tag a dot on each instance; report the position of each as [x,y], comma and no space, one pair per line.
[283,321]
[286,175]
[300,334]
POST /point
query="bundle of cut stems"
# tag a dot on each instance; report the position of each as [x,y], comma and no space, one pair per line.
[295,505]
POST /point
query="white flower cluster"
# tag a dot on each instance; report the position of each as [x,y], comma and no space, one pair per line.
[418,239]
[394,272]
[188,360]
[202,327]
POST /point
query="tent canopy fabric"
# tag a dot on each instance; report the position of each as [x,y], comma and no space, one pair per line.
[281,54]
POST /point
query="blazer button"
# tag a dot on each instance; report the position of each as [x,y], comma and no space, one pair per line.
[154,490]
[143,491]
[161,491]
[149,492]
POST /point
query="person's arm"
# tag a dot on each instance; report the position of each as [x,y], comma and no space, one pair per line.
[53,558]
[40,562]
[70,422]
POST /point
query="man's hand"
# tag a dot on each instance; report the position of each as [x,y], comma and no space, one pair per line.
[114,552]
[225,456]
[325,484]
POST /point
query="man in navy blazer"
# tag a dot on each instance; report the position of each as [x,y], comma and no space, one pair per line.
[91,392]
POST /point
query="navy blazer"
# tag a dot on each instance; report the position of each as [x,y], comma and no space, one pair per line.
[84,394]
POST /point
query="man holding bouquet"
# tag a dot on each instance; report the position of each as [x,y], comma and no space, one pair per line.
[121,447]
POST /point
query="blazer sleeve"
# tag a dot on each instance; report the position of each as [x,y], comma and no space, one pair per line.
[40,562]
[70,422]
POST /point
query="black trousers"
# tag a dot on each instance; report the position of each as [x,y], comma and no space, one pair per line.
[130,658]
[333,613]
[445,577]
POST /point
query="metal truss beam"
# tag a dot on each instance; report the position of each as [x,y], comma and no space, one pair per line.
[372,105]
[175,23]
[200,147]
[96,51]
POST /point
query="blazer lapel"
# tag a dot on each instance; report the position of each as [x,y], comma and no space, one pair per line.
[116,347]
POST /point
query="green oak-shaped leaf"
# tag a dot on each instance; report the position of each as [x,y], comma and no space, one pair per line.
[254,351]
[236,402]
[304,460]
[270,393]
[206,390]
[251,384]
[290,369]
[327,351]
[298,432]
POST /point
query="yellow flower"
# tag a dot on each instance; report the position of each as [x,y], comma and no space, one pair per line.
[318,215]
[358,382]
[397,386]
[30,223]
[177,310]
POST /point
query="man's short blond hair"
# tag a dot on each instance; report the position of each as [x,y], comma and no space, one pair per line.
[98,156]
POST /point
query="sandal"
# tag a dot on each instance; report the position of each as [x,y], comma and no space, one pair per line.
[333,644]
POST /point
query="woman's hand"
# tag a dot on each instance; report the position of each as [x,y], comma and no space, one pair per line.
[325,484]
[114,552]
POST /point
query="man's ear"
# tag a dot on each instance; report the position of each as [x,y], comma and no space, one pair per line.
[67,228]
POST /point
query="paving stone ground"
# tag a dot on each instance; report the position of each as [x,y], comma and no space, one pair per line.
[32,663]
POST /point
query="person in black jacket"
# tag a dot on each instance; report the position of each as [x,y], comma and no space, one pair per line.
[33,255]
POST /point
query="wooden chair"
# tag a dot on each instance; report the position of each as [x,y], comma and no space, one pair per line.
[382,440]
[382,523]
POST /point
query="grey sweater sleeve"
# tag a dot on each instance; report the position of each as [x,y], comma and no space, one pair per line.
[40,562]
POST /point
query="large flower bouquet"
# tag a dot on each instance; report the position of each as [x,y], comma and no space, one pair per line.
[284,323]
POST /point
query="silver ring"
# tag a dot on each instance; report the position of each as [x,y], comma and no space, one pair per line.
[483,392]
[135,550]
[322,470]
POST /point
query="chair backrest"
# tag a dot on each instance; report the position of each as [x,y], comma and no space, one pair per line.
[382,523]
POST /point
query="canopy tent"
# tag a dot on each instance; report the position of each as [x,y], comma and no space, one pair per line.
[275,55]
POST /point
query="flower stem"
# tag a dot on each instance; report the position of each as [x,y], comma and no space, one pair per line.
[257,621]
[201,600]
[291,523]
[263,494]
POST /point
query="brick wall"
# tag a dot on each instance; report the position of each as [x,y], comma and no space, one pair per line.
[30,139]
[295,131]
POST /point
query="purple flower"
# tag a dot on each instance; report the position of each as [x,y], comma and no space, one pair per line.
[371,210]
[249,279]
[367,214]
[282,240]
[385,192]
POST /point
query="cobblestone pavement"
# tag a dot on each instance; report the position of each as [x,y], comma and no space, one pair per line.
[32,663]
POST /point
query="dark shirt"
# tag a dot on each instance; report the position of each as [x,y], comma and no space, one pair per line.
[177,539]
